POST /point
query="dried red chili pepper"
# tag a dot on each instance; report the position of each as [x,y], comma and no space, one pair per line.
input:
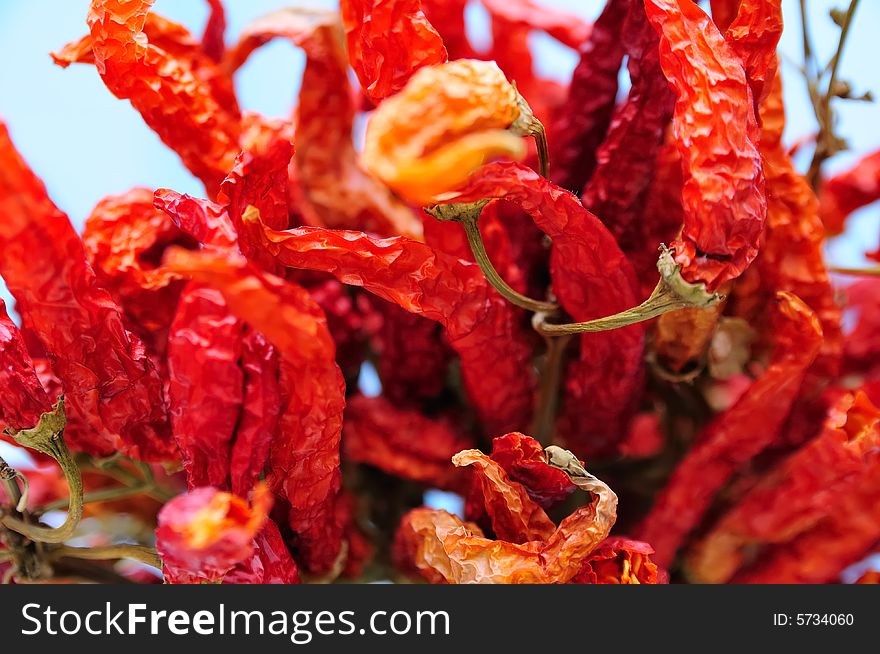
[524,460]
[481,327]
[387,42]
[261,406]
[843,538]
[723,194]
[731,440]
[582,120]
[568,29]
[215,27]
[167,35]
[202,535]
[124,238]
[114,395]
[724,12]
[192,111]
[23,399]
[443,548]
[848,191]
[626,159]
[205,384]
[514,516]
[206,221]
[791,257]
[304,457]
[592,278]
[663,205]
[401,442]
[796,495]
[259,179]
[753,35]
[336,191]
[270,563]
[447,17]
[412,355]
[621,561]
[256,423]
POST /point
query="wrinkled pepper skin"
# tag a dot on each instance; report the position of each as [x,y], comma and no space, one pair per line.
[304,456]
[388,40]
[191,114]
[481,327]
[114,394]
[24,399]
[723,195]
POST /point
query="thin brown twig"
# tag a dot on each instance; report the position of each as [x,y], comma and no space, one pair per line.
[827,143]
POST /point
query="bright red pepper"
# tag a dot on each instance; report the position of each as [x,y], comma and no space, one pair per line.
[113,392]
[23,399]
[723,194]
[190,106]
[304,457]
[388,40]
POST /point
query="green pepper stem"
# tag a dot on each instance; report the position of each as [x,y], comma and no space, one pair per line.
[103,495]
[140,553]
[527,124]
[857,272]
[468,215]
[671,293]
[48,438]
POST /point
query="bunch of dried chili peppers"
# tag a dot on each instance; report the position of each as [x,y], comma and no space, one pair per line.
[634,277]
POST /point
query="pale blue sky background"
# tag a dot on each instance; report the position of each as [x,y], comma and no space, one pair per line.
[86,144]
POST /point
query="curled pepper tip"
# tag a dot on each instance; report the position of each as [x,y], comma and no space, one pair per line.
[466,458]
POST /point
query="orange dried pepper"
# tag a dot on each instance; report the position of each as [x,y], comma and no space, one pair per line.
[446,122]
[515,517]
[443,548]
